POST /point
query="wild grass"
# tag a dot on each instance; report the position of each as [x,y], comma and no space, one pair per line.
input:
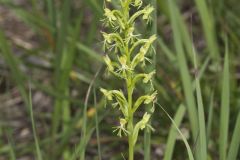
[36,139]
[197,79]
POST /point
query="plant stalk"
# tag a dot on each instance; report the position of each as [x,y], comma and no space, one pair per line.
[130,122]
[131,148]
[130,139]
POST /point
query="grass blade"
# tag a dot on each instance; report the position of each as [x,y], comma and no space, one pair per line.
[190,154]
[201,71]
[224,115]
[14,66]
[52,16]
[210,117]
[172,136]
[81,148]
[183,30]
[12,154]
[201,116]
[184,72]
[208,27]
[234,146]
[39,155]
[97,126]
[62,68]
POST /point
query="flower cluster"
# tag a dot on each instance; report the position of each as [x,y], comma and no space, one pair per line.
[127,51]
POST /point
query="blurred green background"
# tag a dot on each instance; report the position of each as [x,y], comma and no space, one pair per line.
[51,69]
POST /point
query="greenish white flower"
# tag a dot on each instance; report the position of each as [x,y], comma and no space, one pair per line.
[131,37]
[138,3]
[151,98]
[109,15]
[123,68]
[121,128]
[147,12]
[140,125]
[107,94]
[144,120]
[141,56]
[107,40]
[108,62]
[148,43]
[113,40]
[148,77]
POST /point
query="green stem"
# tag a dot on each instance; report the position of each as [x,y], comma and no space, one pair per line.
[130,121]
[131,148]
[130,138]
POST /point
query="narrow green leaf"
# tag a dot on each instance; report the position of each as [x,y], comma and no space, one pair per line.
[208,27]
[234,146]
[210,117]
[62,66]
[201,71]
[14,66]
[97,125]
[190,154]
[39,155]
[52,16]
[224,115]
[81,147]
[12,154]
[172,136]
[184,72]
[201,116]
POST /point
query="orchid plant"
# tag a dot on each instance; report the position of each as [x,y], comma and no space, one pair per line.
[126,52]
